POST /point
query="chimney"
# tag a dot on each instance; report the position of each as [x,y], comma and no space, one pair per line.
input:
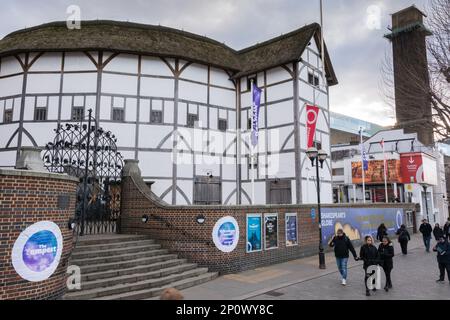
[411,80]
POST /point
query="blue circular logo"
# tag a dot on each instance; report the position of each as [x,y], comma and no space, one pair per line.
[40,250]
[226,234]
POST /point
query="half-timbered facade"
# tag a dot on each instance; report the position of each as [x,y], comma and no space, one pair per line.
[177,102]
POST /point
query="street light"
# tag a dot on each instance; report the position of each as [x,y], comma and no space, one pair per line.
[317,157]
[426,201]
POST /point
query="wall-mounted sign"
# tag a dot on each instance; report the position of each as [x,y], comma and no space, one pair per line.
[359,222]
[313,213]
[271,230]
[291,229]
[226,234]
[37,251]
[254,232]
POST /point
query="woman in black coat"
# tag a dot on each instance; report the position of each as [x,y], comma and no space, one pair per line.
[369,254]
[381,232]
[438,232]
[403,238]
[386,253]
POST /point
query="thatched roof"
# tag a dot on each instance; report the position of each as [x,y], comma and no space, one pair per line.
[162,41]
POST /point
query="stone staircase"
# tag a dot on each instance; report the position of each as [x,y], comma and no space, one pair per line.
[130,267]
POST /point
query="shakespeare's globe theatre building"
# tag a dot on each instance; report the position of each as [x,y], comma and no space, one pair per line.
[177,102]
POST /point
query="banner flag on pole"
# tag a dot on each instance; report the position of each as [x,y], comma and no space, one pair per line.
[312,113]
[256,94]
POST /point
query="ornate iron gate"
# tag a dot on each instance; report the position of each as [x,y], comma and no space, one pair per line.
[88,152]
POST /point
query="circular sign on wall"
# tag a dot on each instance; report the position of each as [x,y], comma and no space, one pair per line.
[37,251]
[399,218]
[226,234]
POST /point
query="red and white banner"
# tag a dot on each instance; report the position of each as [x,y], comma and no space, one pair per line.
[412,168]
[312,113]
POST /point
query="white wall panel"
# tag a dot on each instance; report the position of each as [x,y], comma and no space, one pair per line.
[276,75]
[227,190]
[7,130]
[11,86]
[8,158]
[229,172]
[280,91]
[80,82]
[9,65]
[285,165]
[150,136]
[187,188]
[168,111]
[155,87]
[195,72]
[29,108]
[78,61]
[49,61]
[220,78]
[105,108]
[130,112]
[124,133]
[119,84]
[193,91]
[155,164]
[182,113]
[144,112]
[222,97]
[155,66]
[126,63]
[43,83]
[52,109]
[161,185]
[41,132]
[203,117]
[66,108]
[213,118]
[280,113]
[17,107]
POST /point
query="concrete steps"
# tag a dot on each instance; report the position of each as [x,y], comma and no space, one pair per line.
[130,267]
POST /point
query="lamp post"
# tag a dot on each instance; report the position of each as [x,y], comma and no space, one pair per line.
[318,157]
[426,201]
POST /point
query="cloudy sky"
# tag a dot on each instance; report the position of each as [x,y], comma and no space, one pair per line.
[354,32]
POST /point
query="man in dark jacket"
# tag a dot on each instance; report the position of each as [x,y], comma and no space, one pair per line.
[443,257]
[426,230]
[438,232]
[381,232]
[447,229]
[342,245]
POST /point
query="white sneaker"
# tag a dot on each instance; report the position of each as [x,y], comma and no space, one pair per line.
[344,282]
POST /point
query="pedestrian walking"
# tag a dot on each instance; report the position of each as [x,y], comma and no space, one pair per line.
[381,232]
[426,230]
[386,254]
[443,258]
[342,245]
[438,232]
[403,238]
[369,254]
[447,229]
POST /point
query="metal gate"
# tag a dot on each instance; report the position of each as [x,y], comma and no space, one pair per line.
[90,153]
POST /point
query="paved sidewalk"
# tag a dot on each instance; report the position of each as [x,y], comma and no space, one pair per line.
[302,279]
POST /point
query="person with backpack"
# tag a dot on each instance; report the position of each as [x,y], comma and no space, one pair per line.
[403,238]
[443,258]
[386,254]
[438,232]
[369,254]
[342,245]
[381,232]
[426,230]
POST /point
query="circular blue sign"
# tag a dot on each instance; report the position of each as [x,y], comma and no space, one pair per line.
[39,251]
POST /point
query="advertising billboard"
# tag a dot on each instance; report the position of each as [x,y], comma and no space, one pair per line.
[375,172]
[254,232]
[271,231]
[291,229]
[359,222]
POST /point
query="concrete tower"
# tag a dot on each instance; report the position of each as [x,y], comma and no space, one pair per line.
[412,103]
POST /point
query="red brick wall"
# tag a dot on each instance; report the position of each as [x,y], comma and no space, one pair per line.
[27,198]
[194,242]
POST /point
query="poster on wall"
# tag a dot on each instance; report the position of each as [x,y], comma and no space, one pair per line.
[359,222]
[226,234]
[291,229]
[37,251]
[254,232]
[271,231]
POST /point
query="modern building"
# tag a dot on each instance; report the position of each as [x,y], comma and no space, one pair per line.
[415,173]
[178,102]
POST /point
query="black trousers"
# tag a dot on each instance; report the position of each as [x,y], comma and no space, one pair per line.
[404,246]
[442,268]
[387,273]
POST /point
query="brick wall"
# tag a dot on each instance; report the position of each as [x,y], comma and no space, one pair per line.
[175,227]
[26,198]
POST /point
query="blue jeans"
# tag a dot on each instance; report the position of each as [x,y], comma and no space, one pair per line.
[426,242]
[342,266]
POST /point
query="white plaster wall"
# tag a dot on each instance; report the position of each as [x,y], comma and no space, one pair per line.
[41,132]
[169,111]
[195,72]
[126,63]
[76,61]
[223,97]
[161,185]
[144,110]
[193,91]
[16,112]
[105,108]
[150,136]
[49,61]
[155,164]
[280,91]
[11,86]
[80,83]
[119,84]
[155,87]
[280,113]
[220,78]
[131,109]
[52,109]
[187,187]
[276,75]
[7,130]
[9,65]
[227,190]
[124,133]
[155,66]
[7,158]
[29,108]
[43,83]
